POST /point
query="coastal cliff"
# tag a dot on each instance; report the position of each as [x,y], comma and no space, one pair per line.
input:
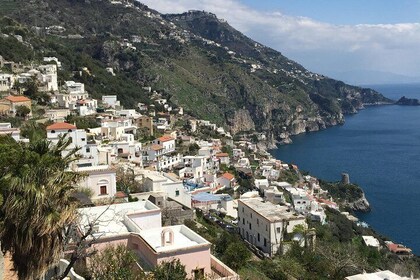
[360,205]
[194,60]
[347,195]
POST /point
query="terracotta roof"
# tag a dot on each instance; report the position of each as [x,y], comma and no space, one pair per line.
[61,125]
[165,138]
[156,147]
[222,155]
[17,98]
[120,194]
[228,176]
[398,248]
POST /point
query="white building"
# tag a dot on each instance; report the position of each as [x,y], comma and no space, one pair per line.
[74,88]
[6,129]
[121,218]
[78,136]
[128,113]
[84,107]
[301,202]
[379,275]
[274,196]
[100,179]
[195,167]
[168,162]
[52,58]
[49,77]
[57,115]
[262,184]
[371,241]
[111,101]
[171,187]
[161,146]
[264,224]
[6,81]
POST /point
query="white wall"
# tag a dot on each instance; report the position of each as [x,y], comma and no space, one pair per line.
[147,220]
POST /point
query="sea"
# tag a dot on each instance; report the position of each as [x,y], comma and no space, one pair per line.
[380,149]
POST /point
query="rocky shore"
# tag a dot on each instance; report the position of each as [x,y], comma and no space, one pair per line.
[408,101]
[360,205]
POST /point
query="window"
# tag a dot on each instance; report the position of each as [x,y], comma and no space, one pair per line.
[177,193]
[278,230]
[251,215]
[242,209]
[103,190]
[52,131]
[266,228]
[243,221]
[258,222]
[83,139]
[69,130]
[250,226]
[258,237]
[87,150]
[265,242]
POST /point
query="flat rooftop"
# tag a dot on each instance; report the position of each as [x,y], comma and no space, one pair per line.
[370,241]
[380,275]
[270,211]
[183,238]
[109,219]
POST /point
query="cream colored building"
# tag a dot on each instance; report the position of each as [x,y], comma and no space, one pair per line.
[9,104]
[265,225]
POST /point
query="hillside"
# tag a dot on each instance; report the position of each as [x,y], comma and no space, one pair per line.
[196,60]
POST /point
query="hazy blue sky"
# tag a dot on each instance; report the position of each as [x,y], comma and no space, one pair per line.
[325,36]
[344,11]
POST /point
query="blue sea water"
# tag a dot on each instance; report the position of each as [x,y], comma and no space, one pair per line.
[380,148]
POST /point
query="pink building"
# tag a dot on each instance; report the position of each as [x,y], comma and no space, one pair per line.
[175,242]
[138,226]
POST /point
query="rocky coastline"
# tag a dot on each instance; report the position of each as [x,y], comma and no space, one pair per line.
[360,205]
[408,101]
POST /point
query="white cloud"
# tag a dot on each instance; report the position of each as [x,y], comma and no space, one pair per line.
[317,45]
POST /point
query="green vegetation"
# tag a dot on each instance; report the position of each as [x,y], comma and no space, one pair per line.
[289,176]
[342,192]
[205,80]
[8,6]
[232,250]
[115,263]
[22,111]
[83,122]
[173,270]
[37,205]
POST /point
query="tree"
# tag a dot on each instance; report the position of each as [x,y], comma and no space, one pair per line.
[236,255]
[117,263]
[31,87]
[193,149]
[172,270]
[342,259]
[22,111]
[38,206]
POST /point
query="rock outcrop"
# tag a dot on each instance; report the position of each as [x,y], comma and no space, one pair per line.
[408,101]
[360,205]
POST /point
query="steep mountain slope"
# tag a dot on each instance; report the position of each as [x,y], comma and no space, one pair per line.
[196,60]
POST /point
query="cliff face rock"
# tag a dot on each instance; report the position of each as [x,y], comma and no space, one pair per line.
[361,205]
[196,61]
[241,121]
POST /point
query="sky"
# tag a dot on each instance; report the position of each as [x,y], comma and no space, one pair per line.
[357,38]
